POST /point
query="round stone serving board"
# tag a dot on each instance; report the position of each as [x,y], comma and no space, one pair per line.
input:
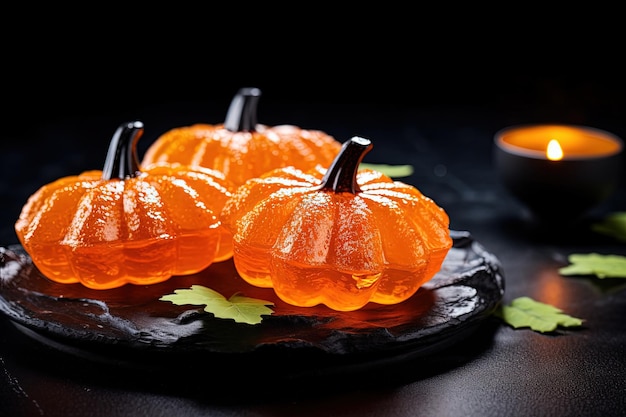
[130,326]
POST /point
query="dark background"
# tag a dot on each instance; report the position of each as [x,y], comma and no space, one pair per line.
[68,82]
[525,64]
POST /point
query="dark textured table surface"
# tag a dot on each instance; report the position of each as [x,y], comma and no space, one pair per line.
[496,371]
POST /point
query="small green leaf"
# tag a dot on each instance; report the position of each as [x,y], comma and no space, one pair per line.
[540,317]
[613,225]
[237,307]
[603,266]
[393,171]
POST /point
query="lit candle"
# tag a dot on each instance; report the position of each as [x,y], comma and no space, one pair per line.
[559,172]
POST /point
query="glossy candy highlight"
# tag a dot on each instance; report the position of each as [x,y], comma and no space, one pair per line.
[342,237]
[126,225]
[240,147]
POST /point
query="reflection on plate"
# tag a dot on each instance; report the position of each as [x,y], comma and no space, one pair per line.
[131,326]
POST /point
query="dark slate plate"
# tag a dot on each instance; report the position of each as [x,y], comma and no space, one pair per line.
[131,327]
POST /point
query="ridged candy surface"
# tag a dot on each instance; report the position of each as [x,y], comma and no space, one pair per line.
[242,155]
[317,246]
[138,230]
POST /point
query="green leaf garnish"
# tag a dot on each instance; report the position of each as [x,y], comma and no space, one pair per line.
[393,171]
[613,225]
[237,307]
[540,317]
[603,266]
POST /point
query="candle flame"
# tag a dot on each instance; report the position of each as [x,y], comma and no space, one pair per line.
[554,151]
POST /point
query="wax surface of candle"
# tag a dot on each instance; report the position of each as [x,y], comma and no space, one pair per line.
[575,142]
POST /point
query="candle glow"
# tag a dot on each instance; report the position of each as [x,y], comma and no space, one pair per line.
[575,142]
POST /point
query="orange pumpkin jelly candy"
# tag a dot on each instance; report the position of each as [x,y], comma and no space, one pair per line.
[240,147]
[339,237]
[122,225]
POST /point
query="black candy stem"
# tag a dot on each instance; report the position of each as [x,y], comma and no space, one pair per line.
[242,113]
[122,161]
[341,176]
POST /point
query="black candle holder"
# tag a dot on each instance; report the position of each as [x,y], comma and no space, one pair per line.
[558,191]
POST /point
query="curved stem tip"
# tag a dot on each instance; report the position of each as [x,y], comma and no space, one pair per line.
[341,176]
[242,113]
[122,161]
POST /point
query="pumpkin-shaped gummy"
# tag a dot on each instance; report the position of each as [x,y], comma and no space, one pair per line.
[341,237]
[124,224]
[240,147]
